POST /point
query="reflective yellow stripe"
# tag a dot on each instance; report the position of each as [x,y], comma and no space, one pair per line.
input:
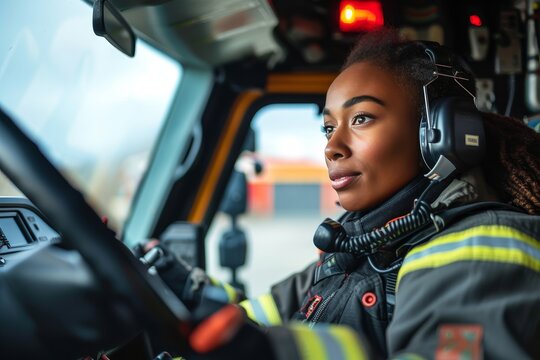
[310,346]
[408,357]
[263,310]
[481,253]
[231,292]
[270,309]
[327,342]
[249,310]
[493,243]
[484,230]
[350,343]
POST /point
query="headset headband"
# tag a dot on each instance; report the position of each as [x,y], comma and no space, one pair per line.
[443,60]
[445,125]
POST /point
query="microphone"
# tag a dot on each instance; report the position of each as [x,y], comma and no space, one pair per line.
[331,237]
[327,234]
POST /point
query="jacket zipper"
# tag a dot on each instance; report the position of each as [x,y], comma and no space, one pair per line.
[321,309]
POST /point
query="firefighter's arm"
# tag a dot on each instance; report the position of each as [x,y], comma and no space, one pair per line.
[226,334]
[229,333]
[470,294]
[284,299]
[189,283]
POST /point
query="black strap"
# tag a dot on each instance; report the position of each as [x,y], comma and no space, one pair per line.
[453,214]
[390,282]
[441,220]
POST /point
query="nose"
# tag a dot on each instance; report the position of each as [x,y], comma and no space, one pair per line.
[337,146]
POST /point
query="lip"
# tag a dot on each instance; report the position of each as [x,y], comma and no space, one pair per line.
[340,179]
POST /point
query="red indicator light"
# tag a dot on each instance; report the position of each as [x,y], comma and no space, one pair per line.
[475,20]
[355,16]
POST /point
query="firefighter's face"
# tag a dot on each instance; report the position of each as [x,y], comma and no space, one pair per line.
[372,130]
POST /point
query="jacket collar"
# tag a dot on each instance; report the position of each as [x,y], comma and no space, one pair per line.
[469,187]
[358,223]
[401,203]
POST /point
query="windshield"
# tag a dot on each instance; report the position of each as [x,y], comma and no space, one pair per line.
[95,112]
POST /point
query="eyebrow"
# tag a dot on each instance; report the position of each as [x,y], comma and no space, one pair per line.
[355,100]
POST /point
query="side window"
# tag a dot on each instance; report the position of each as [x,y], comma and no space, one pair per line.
[286,201]
[95,112]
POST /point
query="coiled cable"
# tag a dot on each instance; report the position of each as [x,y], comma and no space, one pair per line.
[370,242]
[331,237]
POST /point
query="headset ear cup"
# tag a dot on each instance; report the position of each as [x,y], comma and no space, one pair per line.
[452,136]
[458,134]
[469,134]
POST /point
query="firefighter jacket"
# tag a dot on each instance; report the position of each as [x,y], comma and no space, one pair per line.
[470,291]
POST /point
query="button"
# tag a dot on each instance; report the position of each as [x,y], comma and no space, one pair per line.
[2,261]
[369,299]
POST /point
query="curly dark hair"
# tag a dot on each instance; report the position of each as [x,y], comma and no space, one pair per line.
[512,164]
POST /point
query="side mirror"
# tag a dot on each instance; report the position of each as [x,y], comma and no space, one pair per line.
[109,23]
[232,253]
[234,201]
[233,243]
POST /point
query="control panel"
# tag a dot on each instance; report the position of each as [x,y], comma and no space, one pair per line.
[22,226]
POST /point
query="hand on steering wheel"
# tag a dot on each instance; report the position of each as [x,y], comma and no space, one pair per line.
[150,302]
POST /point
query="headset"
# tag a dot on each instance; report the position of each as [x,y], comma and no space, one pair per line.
[452,137]
[452,140]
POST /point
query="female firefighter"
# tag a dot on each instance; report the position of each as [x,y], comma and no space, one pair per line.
[438,254]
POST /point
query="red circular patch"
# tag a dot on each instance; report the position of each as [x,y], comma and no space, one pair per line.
[369,299]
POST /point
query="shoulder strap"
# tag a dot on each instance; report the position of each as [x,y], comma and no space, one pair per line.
[453,214]
[390,280]
[444,218]
[440,221]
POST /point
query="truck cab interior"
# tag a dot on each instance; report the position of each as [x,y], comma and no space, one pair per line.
[197,123]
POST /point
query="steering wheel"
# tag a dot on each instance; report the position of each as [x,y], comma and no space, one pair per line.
[116,269]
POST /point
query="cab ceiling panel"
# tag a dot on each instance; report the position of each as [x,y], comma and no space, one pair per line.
[204,32]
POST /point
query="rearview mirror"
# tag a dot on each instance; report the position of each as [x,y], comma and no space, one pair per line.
[109,23]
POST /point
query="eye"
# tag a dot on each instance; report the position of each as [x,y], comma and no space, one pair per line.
[361,119]
[327,130]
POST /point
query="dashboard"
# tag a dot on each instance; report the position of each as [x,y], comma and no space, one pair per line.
[22,227]
[52,306]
